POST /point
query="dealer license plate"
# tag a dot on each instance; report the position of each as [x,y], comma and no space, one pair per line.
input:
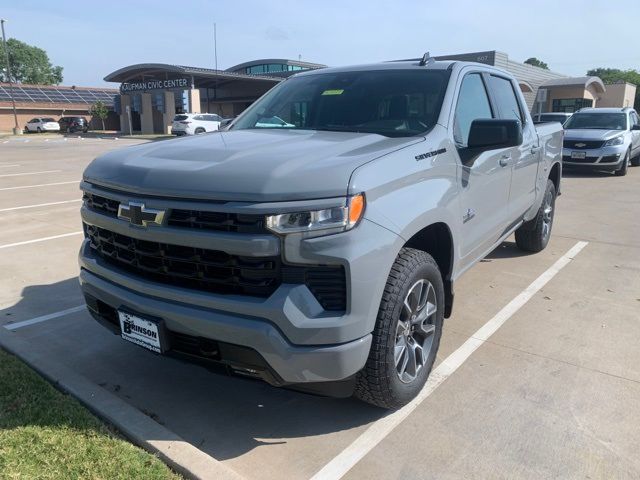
[140,331]
[579,155]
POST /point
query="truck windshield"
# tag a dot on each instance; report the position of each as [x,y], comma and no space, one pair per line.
[597,121]
[393,103]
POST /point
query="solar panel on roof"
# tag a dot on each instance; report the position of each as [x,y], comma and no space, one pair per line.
[56,95]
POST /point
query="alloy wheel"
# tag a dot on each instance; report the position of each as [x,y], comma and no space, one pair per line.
[415,330]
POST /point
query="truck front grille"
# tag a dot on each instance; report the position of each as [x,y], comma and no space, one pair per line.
[215,271]
[583,144]
[182,218]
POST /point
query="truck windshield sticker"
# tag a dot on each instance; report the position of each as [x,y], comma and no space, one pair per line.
[332,92]
[422,156]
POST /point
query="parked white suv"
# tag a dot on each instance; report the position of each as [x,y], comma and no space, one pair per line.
[195,123]
[42,124]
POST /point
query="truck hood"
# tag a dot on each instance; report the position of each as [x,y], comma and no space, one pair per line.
[591,134]
[243,165]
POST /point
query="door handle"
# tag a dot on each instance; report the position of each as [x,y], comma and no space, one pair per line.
[504,160]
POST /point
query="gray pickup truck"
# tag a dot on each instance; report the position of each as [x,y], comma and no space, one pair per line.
[315,243]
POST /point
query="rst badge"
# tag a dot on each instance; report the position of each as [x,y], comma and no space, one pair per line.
[137,214]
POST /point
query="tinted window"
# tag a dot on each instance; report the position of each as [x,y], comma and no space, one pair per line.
[48,119]
[634,118]
[394,103]
[473,104]
[179,118]
[505,97]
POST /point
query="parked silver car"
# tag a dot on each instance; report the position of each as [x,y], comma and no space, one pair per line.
[602,139]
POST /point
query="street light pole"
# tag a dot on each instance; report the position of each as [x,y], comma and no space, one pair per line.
[16,129]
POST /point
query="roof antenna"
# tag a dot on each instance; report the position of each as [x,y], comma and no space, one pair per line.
[426,59]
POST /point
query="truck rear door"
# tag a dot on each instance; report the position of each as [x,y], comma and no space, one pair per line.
[523,159]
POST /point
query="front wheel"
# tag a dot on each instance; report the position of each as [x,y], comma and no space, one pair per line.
[624,168]
[533,236]
[407,332]
[200,130]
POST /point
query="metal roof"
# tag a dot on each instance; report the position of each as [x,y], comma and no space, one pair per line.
[575,82]
[130,72]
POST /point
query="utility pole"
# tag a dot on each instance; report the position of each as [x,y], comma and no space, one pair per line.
[215,46]
[215,56]
[16,129]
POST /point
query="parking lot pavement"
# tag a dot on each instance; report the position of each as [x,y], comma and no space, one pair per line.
[552,394]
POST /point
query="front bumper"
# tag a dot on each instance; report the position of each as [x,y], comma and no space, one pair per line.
[298,340]
[605,158]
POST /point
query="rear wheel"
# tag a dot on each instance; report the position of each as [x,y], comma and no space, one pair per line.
[407,332]
[533,236]
[200,130]
[624,168]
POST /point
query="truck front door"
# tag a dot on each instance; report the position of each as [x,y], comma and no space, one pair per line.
[483,182]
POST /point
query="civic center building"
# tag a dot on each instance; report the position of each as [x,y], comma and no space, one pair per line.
[150,94]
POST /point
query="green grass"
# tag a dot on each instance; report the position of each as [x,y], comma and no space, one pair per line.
[45,434]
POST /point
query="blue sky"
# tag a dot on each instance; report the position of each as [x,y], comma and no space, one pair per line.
[90,39]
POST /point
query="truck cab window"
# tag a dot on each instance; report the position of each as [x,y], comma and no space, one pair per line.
[473,104]
[505,97]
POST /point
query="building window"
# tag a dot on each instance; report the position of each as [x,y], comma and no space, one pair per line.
[136,103]
[157,101]
[570,105]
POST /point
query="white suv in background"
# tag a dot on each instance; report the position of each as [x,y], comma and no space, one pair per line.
[42,124]
[195,123]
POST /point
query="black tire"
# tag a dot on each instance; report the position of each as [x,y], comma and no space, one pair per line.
[200,130]
[379,382]
[624,168]
[635,161]
[533,236]
[39,130]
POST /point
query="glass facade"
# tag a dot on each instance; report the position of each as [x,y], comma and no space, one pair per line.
[570,105]
[271,68]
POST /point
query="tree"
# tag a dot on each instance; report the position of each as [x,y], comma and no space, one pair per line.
[29,64]
[615,75]
[99,110]
[536,63]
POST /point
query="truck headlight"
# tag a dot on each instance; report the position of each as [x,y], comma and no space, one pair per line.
[612,142]
[340,218]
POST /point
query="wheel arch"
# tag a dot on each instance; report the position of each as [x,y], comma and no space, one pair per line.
[436,240]
[555,175]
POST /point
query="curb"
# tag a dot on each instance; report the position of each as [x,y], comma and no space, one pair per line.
[180,455]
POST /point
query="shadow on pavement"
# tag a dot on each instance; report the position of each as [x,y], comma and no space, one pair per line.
[223,416]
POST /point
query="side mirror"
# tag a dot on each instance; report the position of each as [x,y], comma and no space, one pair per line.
[492,134]
[635,127]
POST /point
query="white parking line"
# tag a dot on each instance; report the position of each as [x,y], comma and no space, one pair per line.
[39,205]
[29,173]
[377,432]
[43,318]
[40,185]
[11,165]
[38,240]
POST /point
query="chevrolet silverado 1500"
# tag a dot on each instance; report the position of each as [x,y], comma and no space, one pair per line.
[316,241]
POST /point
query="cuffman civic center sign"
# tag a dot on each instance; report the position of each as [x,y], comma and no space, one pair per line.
[130,87]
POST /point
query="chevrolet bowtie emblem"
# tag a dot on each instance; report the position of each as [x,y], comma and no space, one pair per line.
[137,214]
[580,145]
